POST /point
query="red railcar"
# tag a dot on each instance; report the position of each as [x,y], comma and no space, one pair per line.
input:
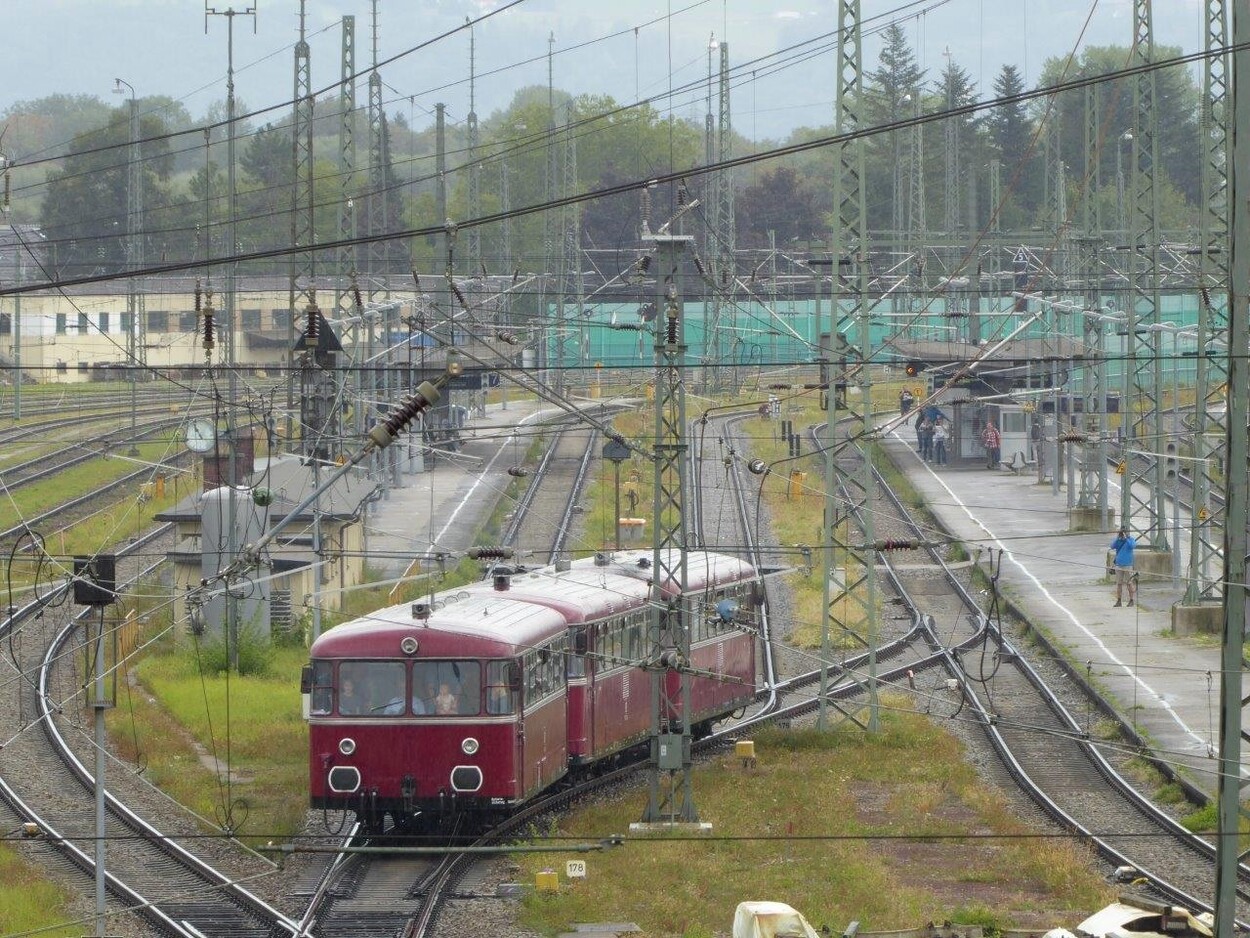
[480,699]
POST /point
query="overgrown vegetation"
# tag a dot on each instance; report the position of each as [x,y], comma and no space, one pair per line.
[29,901]
[843,826]
[246,771]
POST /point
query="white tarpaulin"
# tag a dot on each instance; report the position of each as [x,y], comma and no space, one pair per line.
[770,920]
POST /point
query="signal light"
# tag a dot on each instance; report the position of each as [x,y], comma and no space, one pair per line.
[914,368]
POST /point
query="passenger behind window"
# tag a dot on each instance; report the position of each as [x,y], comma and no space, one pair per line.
[446,703]
[424,704]
[499,701]
[350,702]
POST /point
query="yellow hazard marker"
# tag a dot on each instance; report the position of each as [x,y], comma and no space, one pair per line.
[1202,513]
[1121,468]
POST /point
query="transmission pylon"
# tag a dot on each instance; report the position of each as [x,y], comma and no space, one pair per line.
[711,202]
[473,236]
[1211,379]
[551,183]
[850,604]
[303,289]
[671,794]
[950,134]
[724,272]
[572,286]
[378,251]
[1229,779]
[343,298]
[916,212]
[1141,493]
[1091,497]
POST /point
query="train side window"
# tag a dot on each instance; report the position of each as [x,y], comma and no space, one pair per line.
[576,656]
[322,687]
[502,687]
[372,688]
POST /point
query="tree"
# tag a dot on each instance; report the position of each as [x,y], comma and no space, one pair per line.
[780,202]
[1176,104]
[1011,133]
[84,209]
[892,93]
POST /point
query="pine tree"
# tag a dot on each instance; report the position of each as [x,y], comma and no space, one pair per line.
[1011,132]
[892,93]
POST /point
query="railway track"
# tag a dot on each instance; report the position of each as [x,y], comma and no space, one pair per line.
[44,781]
[1042,748]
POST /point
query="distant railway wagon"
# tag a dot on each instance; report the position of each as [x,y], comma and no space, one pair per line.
[479,699]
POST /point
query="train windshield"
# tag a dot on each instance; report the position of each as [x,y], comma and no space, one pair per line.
[447,688]
[371,688]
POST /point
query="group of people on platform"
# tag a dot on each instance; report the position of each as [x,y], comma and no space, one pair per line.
[933,433]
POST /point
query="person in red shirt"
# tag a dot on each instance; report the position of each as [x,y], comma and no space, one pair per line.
[993,441]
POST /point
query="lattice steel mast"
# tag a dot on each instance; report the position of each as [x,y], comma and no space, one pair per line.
[572,286]
[670,612]
[343,298]
[1143,512]
[473,236]
[1211,381]
[723,271]
[302,267]
[851,606]
[1229,781]
[378,251]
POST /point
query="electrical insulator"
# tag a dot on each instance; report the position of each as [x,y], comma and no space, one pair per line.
[683,196]
[670,658]
[356,297]
[490,553]
[1072,437]
[312,328]
[698,265]
[485,275]
[646,209]
[8,188]
[892,544]
[416,281]
[416,403]
[643,264]
[208,328]
[455,289]
[1202,291]
[199,296]
[779,387]
[757,466]
[671,330]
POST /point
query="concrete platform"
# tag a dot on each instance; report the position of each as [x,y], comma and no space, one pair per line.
[1164,683]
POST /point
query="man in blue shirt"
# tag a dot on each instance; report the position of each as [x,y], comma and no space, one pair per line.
[1123,546]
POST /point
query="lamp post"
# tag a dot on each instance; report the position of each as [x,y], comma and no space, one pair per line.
[134,252]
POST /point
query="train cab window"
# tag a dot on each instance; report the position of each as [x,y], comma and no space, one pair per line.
[371,688]
[322,687]
[502,687]
[446,688]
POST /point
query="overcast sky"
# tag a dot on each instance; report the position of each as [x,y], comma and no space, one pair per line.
[160,46]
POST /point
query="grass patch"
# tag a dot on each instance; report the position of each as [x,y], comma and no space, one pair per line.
[172,721]
[842,826]
[29,901]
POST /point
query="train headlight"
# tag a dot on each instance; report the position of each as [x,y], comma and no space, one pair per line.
[347,745]
[469,746]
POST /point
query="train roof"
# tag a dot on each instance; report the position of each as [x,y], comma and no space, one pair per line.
[704,568]
[479,623]
[582,593]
